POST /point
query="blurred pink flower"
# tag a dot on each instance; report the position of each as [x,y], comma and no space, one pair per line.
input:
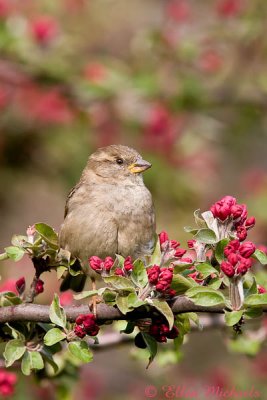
[95,72]
[44,29]
[178,10]
[229,8]
[210,61]
[66,298]
[8,286]
[7,382]
[5,8]
[47,106]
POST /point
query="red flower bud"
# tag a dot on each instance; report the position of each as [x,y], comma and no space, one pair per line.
[232,247]
[20,285]
[241,233]
[250,222]
[237,210]
[119,272]
[233,259]
[79,331]
[166,275]
[179,253]
[229,200]
[186,260]
[128,265]
[79,320]
[261,289]
[163,237]
[191,243]
[241,269]
[221,211]
[44,29]
[153,274]
[39,286]
[108,263]
[174,244]
[247,249]
[227,269]
[173,333]
[96,263]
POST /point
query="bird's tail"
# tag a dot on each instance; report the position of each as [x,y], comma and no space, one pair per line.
[77,282]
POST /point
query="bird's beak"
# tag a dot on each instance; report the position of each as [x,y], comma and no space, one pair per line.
[139,166]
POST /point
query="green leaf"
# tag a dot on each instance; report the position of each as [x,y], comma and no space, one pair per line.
[32,360]
[9,299]
[206,269]
[134,301]
[129,328]
[119,282]
[199,220]
[163,307]
[205,296]
[81,350]
[215,283]
[139,274]
[219,250]
[181,284]
[85,294]
[233,317]
[53,336]
[206,236]
[253,288]
[190,229]
[260,256]
[47,233]
[56,313]
[156,256]
[14,253]
[14,350]
[256,300]
[3,257]
[245,345]
[254,312]
[152,347]
[122,303]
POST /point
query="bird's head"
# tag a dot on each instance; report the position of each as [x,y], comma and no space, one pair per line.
[118,162]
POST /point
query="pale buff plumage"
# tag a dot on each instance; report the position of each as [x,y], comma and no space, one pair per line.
[110,210]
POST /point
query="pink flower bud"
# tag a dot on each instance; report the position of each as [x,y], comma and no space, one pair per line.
[232,247]
[237,210]
[108,263]
[96,263]
[261,289]
[179,253]
[186,260]
[227,269]
[247,249]
[20,285]
[128,265]
[163,237]
[39,286]
[250,222]
[191,243]
[166,275]
[153,274]
[229,200]
[241,269]
[241,233]
[221,211]
[119,272]
[7,382]
[174,244]
[66,298]
[232,258]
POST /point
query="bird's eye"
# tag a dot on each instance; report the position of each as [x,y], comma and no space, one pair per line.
[119,161]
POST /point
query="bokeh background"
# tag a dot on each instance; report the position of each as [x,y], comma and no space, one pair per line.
[182,81]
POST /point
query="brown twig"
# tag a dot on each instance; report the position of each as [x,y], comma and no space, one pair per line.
[40,313]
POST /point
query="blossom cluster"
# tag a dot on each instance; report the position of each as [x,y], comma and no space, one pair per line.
[227,210]
[99,265]
[238,258]
[7,383]
[160,330]
[86,325]
[161,278]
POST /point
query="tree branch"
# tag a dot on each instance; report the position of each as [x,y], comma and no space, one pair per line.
[40,313]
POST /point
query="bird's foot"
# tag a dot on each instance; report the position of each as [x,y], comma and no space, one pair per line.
[93,305]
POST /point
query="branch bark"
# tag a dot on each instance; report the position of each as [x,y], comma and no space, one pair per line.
[40,313]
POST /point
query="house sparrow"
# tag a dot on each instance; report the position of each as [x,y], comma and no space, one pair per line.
[108,212]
